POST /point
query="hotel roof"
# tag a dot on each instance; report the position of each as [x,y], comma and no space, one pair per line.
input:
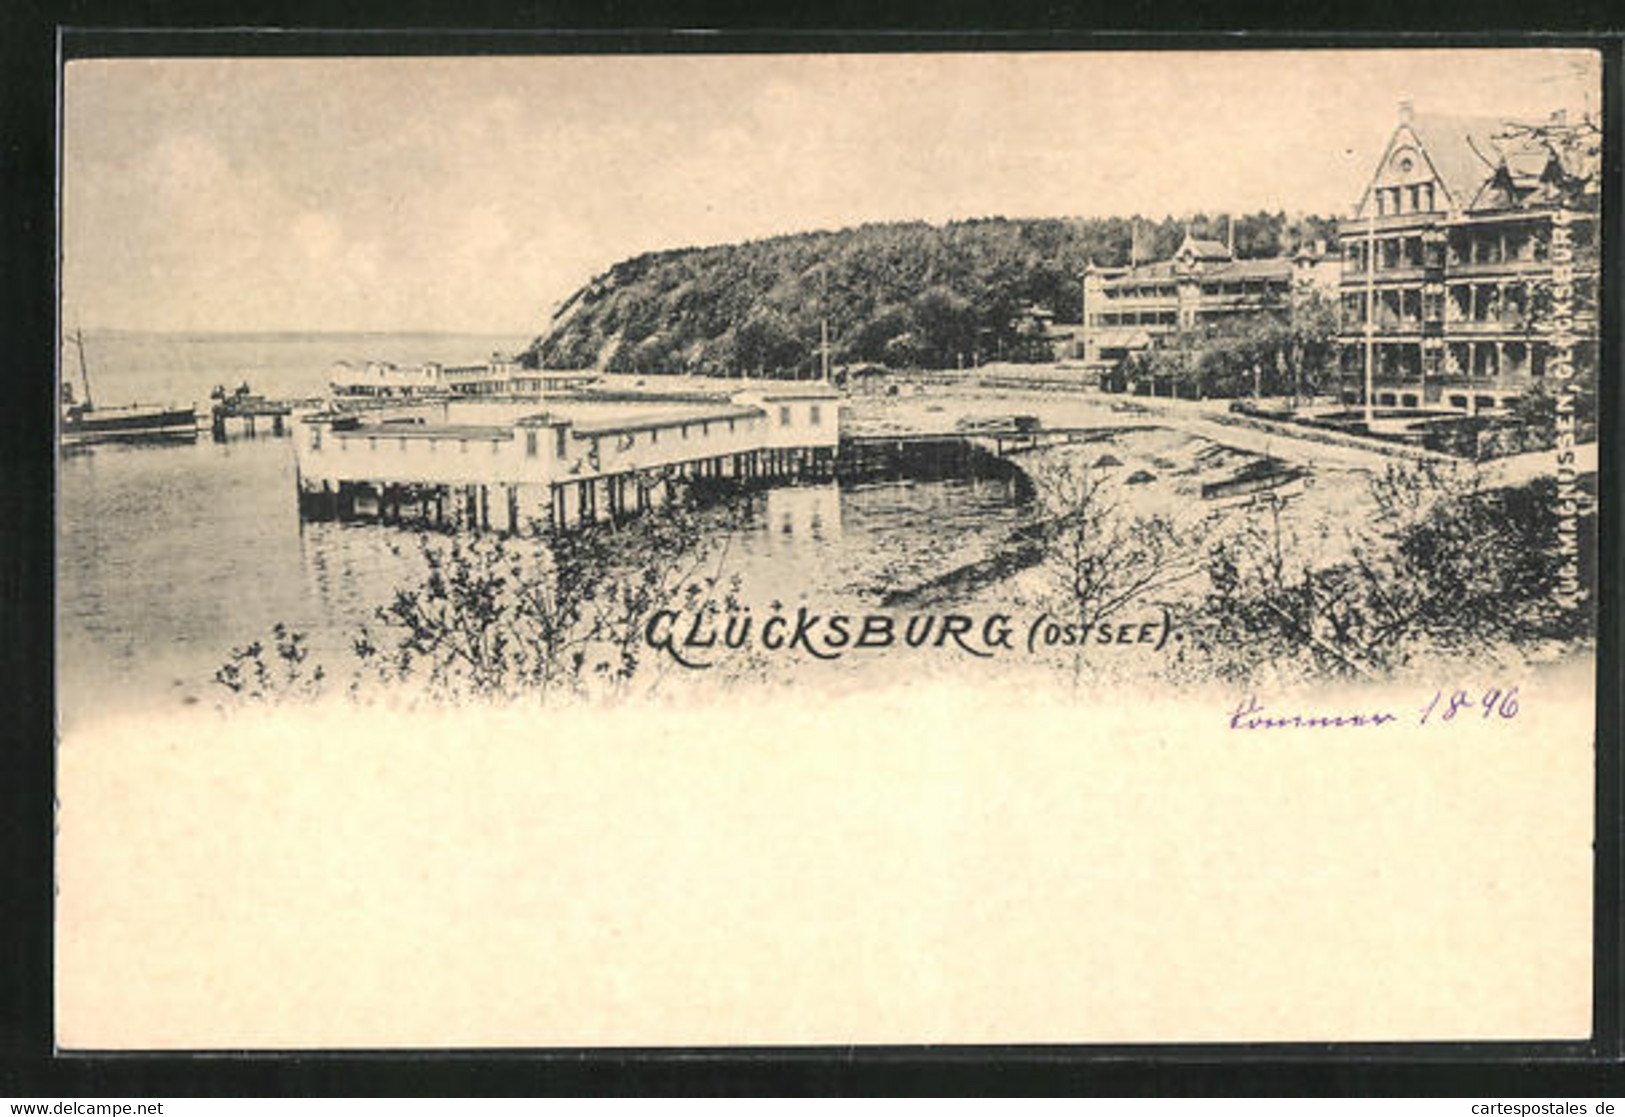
[1466,153]
[1462,150]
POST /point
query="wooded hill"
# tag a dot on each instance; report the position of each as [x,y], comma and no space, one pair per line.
[906,294]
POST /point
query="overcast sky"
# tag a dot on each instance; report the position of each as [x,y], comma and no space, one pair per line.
[471,194]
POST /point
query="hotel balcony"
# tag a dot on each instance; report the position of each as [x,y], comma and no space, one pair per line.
[1356,277]
[1519,268]
[1356,228]
[1515,329]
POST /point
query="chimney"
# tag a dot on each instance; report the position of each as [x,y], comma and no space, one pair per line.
[1406,111]
[1560,117]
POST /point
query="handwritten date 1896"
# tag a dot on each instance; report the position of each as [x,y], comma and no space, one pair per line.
[1502,703]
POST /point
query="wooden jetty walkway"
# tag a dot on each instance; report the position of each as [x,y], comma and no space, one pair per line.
[248,409]
[975,452]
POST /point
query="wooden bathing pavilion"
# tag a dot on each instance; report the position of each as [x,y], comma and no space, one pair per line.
[559,466]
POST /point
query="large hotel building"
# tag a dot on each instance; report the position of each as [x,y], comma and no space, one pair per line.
[1129,310]
[1449,262]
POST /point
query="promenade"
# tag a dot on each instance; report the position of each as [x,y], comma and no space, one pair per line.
[939,407]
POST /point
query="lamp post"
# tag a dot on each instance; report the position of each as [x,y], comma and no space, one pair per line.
[1370,303]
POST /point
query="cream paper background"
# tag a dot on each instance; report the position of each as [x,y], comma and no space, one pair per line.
[926,864]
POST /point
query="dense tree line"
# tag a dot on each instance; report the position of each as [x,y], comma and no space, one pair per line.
[901,294]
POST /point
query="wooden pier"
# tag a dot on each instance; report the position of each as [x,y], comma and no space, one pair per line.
[557,469]
[568,504]
[977,452]
[250,410]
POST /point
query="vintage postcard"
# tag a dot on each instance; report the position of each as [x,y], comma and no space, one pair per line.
[1070,547]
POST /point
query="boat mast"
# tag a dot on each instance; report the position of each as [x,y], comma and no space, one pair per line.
[84,376]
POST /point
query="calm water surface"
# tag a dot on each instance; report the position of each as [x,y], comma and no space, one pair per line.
[170,556]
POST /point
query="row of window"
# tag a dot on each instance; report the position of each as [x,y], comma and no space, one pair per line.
[1137,318]
[1248,287]
[1417,198]
[1233,287]
[1505,303]
[1459,248]
[1143,291]
[1470,360]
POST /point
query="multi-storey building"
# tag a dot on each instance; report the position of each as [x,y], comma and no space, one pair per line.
[1448,264]
[1128,310]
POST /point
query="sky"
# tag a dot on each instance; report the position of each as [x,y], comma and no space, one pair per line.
[472,194]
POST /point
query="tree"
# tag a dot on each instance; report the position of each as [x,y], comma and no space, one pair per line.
[957,286]
[1101,558]
[945,325]
[1307,354]
[499,617]
[1442,567]
[903,351]
[767,342]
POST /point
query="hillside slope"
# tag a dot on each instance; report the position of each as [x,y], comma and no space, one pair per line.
[902,294]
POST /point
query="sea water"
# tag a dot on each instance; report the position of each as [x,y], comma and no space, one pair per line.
[170,556]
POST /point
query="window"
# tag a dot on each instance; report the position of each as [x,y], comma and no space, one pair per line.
[530,442]
[372,444]
[654,435]
[1408,399]
[784,416]
[1459,401]
[1458,246]
[1354,309]
[814,415]
[400,443]
[463,444]
[558,442]
[1512,304]
[316,437]
[1410,310]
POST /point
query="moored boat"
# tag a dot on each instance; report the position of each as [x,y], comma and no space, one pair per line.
[85,422]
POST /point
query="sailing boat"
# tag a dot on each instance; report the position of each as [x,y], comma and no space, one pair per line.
[84,422]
